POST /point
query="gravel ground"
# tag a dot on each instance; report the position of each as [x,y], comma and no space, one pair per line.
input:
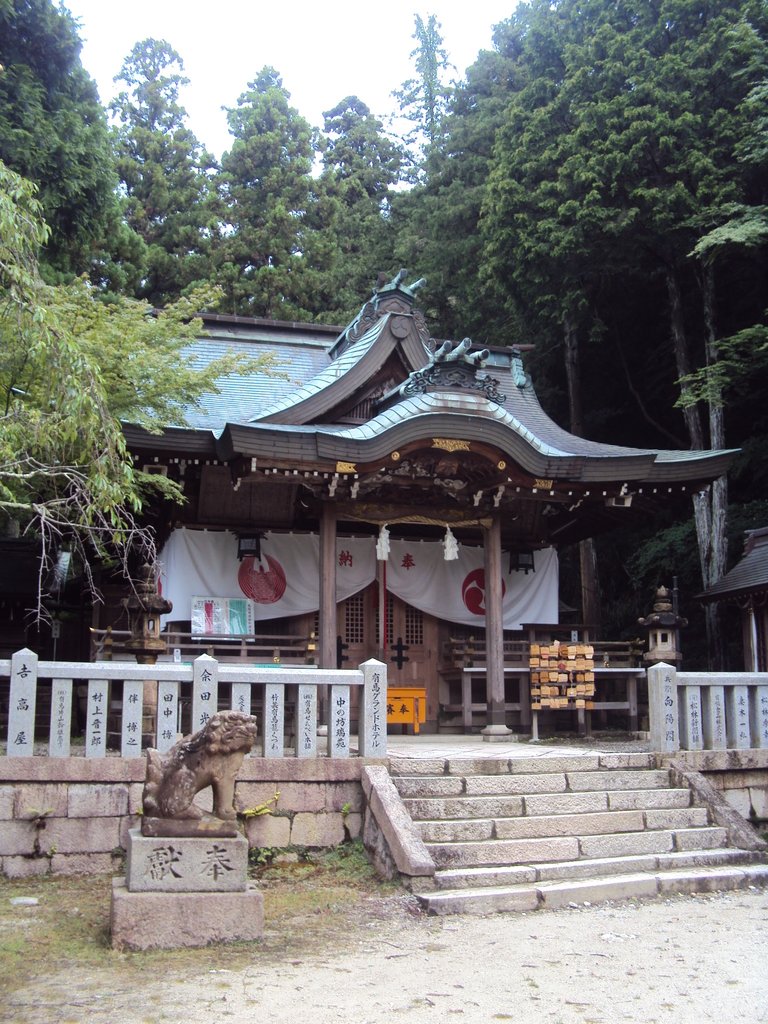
[688,960]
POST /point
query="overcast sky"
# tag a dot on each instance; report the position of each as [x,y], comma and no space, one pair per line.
[323,50]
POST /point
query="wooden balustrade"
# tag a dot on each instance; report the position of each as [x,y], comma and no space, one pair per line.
[267,649]
[617,669]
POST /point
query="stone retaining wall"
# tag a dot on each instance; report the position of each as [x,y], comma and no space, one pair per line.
[741,776]
[72,815]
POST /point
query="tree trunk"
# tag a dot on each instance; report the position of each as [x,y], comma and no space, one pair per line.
[590,586]
[710,504]
[717,538]
[682,359]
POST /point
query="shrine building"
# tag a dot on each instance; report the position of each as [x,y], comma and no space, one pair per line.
[378,494]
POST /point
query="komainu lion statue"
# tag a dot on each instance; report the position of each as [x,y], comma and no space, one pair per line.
[211,757]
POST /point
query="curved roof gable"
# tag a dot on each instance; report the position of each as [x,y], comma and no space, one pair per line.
[749,576]
[473,418]
[386,324]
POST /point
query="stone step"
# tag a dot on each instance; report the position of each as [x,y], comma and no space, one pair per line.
[478,785]
[545,826]
[506,806]
[542,764]
[433,808]
[488,852]
[494,877]
[553,894]
[594,780]
[649,778]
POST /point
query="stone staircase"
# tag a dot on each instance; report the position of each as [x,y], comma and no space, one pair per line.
[532,833]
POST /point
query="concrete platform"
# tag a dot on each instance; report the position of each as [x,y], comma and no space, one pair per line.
[474,747]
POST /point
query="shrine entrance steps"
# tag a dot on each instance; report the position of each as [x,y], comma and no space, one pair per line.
[525,834]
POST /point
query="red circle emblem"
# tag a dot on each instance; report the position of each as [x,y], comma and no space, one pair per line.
[262,587]
[473,591]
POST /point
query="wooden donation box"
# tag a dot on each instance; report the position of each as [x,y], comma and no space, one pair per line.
[562,676]
[407,705]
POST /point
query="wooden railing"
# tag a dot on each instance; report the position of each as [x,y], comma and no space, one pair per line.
[707,710]
[277,649]
[163,689]
[470,653]
[618,670]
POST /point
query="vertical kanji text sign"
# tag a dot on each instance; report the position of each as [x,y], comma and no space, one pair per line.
[21,708]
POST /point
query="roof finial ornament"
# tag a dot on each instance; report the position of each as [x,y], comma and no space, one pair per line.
[397,282]
[452,353]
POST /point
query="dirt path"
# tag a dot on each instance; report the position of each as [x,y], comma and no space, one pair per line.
[685,960]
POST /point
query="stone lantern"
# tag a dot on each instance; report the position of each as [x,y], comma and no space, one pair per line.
[144,607]
[664,625]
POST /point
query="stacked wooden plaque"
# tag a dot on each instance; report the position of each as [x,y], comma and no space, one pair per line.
[562,676]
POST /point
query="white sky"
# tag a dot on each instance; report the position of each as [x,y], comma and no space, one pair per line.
[324,49]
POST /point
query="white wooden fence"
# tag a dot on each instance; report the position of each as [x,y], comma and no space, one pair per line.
[198,682]
[707,710]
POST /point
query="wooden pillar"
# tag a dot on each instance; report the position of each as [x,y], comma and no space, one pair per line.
[496,728]
[328,586]
[381,597]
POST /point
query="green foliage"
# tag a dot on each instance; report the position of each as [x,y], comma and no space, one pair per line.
[72,369]
[746,228]
[266,187]
[260,809]
[741,358]
[438,221]
[423,98]
[167,176]
[350,237]
[261,856]
[53,131]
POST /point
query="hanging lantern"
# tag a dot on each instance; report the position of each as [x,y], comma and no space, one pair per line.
[382,544]
[450,546]
[249,545]
[521,561]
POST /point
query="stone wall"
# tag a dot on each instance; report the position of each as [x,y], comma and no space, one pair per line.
[740,776]
[72,815]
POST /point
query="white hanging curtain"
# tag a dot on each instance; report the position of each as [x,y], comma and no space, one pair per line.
[418,574]
[203,564]
[229,595]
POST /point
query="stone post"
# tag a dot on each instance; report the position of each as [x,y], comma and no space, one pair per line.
[372,713]
[713,717]
[737,717]
[21,705]
[663,708]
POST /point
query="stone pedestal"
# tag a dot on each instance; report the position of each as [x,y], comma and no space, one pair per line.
[165,920]
[185,891]
[496,734]
[186,865]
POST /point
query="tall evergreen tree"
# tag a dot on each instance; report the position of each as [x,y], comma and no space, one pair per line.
[438,222]
[53,132]
[266,186]
[615,160]
[423,97]
[351,209]
[167,175]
